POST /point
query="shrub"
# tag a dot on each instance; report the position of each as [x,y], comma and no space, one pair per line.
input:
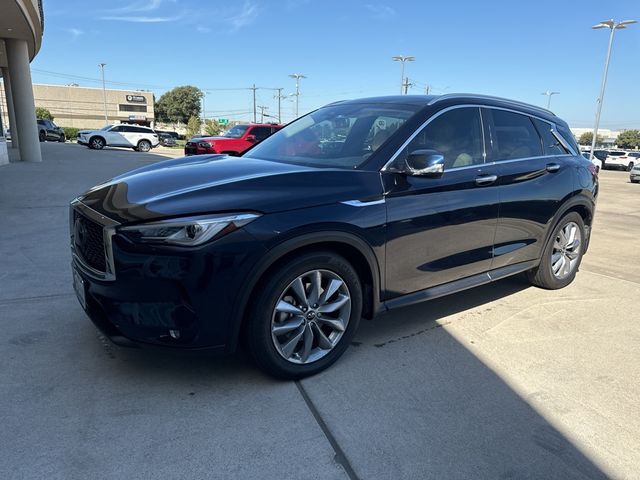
[70,132]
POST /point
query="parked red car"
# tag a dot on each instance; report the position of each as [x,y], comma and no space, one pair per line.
[233,142]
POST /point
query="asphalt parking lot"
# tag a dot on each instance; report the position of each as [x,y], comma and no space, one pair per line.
[503,381]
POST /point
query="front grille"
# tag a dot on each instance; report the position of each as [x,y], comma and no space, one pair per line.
[88,240]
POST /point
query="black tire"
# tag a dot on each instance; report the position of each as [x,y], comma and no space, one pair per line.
[144,146]
[630,167]
[542,276]
[96,143]
[42,136]
[261,313]
[62,139]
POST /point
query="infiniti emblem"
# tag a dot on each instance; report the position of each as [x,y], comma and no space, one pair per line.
[79,232]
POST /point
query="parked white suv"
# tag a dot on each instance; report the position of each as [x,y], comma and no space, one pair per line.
[141,139]
[621,159]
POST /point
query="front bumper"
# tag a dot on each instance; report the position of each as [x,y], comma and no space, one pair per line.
[158,291]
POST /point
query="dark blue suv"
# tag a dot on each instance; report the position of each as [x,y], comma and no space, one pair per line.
[356,208]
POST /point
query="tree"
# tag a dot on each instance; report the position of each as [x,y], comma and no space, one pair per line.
[193,127]
[629,139]
[587,137]
[179,104]
[43,114]
[212,127]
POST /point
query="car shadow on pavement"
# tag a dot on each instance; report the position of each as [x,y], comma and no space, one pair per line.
[411,401]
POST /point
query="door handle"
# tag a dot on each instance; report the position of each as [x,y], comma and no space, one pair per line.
[486,179]
[552,167]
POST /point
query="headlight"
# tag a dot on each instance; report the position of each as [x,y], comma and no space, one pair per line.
[205,145]
[187,231]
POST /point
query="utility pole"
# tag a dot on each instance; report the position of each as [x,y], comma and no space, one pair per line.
[104,94]
[279,96]
[254,102]
[262,109]
[406,85]
[297,76]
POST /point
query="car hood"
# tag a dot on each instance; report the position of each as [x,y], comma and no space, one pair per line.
[217,183]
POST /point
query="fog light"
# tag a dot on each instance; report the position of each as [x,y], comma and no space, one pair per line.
[175,334]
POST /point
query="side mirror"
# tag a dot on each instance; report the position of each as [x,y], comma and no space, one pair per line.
[250,138]
[425,163]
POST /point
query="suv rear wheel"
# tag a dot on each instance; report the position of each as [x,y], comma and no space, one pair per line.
[143,146]
[562,255]
[305,316]
[42,135]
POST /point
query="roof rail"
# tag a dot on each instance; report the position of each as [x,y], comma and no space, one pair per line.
[448,96]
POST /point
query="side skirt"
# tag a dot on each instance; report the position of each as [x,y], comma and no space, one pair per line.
[458,285]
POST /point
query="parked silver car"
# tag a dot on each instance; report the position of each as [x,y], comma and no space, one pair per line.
[634,174]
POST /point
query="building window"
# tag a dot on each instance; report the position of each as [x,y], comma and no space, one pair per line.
[133,108]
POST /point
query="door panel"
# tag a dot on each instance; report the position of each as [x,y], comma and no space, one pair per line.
[530,195]
[438,230]
[441,229]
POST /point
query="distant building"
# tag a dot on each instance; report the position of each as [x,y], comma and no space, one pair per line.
[83,107]
[609,136]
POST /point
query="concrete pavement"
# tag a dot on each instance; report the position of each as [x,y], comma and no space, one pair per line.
[503,381]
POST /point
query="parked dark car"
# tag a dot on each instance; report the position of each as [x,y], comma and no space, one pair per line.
[47,130]
[357,208]
[166,140]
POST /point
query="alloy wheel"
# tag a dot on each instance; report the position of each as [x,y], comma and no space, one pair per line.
[566,251]
[310,316]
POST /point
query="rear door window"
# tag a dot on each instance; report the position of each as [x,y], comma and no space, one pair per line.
[515,136]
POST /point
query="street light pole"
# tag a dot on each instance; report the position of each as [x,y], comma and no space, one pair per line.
[402,59]
[613,26]
[297,76]
[548,93]
[104,94]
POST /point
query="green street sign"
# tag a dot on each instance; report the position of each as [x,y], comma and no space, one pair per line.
[223,121]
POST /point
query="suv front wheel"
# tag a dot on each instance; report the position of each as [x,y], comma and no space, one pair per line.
[305,315]
[562,256]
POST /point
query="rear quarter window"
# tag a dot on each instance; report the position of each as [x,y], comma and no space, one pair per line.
[568,136]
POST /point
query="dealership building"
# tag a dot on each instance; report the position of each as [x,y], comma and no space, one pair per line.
[83,107]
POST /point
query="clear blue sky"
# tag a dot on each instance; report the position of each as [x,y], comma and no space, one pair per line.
[508,48]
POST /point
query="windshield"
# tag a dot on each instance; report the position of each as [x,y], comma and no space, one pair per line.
[105,128]
[342,136]
[236,132]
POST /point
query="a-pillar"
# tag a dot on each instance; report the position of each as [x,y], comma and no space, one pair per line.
[24,105]
[10,109]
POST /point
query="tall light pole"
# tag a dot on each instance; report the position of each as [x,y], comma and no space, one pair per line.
[613,26]
[104,94]
[548,93]
[297,76]
[402,59]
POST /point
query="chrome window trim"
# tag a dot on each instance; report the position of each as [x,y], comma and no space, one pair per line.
[437,114]
[108,231]
[359,203]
